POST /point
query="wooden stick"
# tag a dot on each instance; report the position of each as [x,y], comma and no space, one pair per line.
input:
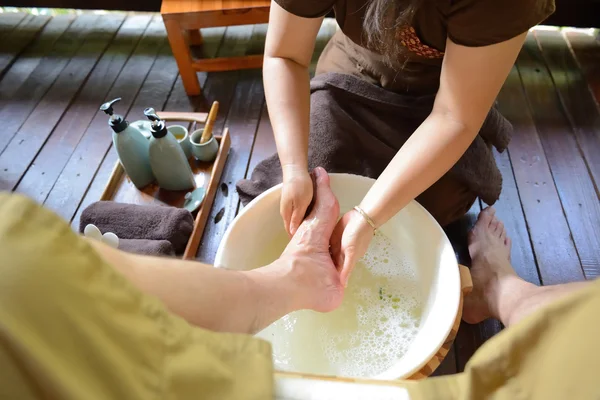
[210,121]
[182,116]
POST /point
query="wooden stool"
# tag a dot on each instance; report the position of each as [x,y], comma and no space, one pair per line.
[183,20]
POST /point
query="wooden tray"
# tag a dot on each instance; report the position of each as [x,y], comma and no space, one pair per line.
[120,188]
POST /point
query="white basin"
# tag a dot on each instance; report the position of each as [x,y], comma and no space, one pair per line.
[413,231]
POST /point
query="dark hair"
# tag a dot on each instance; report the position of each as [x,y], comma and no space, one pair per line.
[382,22]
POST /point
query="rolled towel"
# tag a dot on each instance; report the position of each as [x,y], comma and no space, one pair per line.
[147,247]
[131,221]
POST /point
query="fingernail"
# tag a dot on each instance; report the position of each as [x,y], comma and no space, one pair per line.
[318,172]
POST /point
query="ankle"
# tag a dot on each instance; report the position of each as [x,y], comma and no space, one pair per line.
[504,294]
[272,289]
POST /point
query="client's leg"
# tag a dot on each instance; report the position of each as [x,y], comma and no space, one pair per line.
[497,290]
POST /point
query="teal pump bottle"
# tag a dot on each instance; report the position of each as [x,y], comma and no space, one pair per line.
[167,159]
[132,147]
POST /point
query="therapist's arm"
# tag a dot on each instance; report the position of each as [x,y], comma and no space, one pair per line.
[289,47]
[471,79]
[288,51]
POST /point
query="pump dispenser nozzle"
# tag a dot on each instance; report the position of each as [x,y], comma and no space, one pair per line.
[150,113]
[159,128]
[116,122]
[108,106]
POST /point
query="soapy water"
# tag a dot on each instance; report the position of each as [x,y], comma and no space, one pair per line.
[371,330]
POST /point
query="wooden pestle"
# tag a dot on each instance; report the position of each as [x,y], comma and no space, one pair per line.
[210,121]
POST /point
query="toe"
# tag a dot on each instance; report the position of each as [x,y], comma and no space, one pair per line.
[486,216]
[503,235]
[499,228]
[508,242]
[494,224]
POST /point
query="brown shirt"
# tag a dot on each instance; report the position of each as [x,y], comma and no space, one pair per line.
[465,22]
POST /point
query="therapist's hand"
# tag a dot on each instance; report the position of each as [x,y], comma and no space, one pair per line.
[315,280]
[349,242]
[296,195]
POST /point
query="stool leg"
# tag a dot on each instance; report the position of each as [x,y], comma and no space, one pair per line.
[183,57]
[195,37]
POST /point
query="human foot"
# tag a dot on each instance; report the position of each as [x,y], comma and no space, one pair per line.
[489,247]
[316,280]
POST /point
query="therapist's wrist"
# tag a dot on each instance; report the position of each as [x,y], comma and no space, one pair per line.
[292,170]
[372,214]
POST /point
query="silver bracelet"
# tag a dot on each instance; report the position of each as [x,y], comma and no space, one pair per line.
[366,217]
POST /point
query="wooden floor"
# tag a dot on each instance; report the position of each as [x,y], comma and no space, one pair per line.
[56,147]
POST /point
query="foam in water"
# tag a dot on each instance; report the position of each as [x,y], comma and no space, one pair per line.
[368,333]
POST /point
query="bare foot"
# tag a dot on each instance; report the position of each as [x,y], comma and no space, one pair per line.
[489,247]
[317,284]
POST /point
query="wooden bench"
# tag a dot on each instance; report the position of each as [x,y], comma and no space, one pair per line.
[183,21]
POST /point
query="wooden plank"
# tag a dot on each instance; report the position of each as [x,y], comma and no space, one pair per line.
[28,141]
[47,166]
[9,21]
[14,112]
[18,39]
[574,93]
[573,182]
[178,100]
[141,68]
[242,121]
[510,212]
[508,209]
[97,186]
[212,19]
[550,235]
[31,58]
[586,48]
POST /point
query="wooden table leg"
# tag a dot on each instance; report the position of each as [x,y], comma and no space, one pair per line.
[195,37]
[183,57]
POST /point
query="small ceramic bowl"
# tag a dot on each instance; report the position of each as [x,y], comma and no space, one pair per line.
[203,151]
[181,134]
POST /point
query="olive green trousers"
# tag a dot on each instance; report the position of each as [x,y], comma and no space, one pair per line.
[72,327]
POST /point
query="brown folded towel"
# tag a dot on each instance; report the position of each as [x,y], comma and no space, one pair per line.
[147,247]
[357,127]
[131,221]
